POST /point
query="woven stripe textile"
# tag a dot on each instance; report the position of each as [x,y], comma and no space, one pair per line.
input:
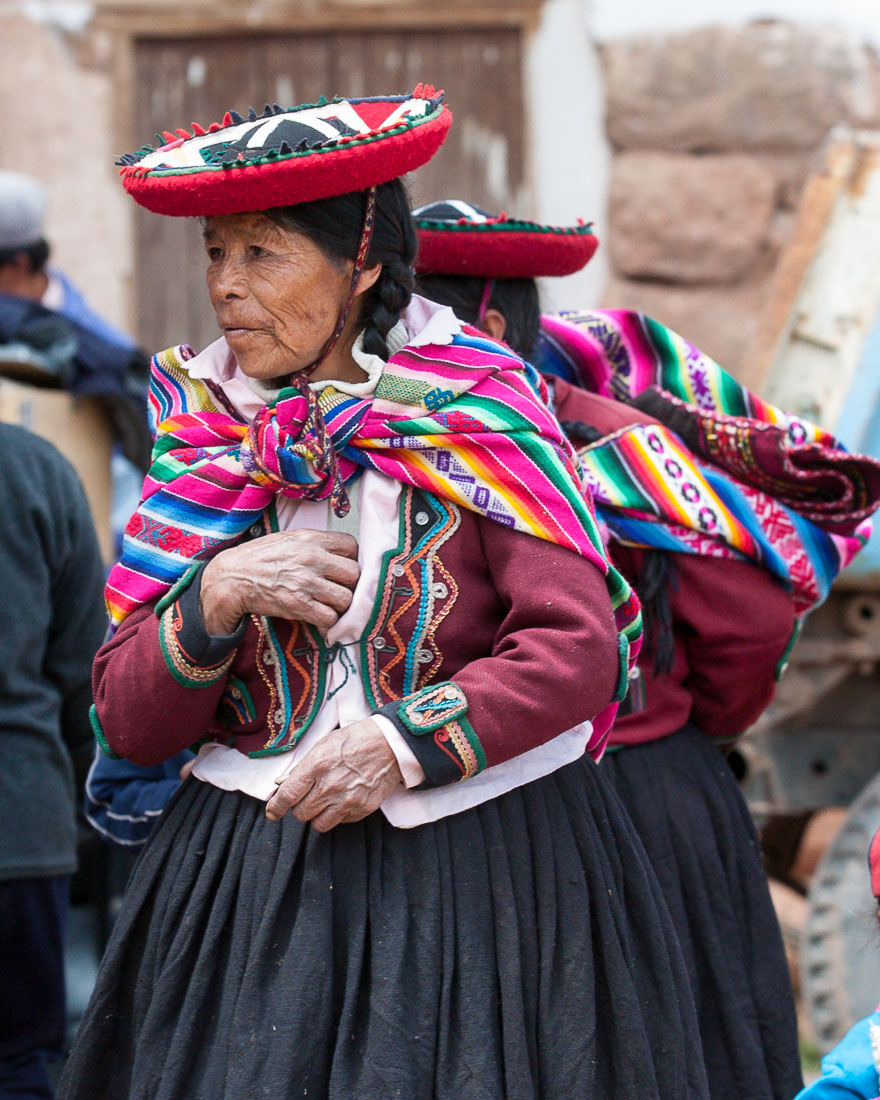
[467,421]
[724,474]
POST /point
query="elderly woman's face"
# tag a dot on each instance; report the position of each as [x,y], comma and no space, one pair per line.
[276,295]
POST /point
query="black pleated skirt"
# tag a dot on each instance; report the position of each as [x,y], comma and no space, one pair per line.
[515,951]
[699,836]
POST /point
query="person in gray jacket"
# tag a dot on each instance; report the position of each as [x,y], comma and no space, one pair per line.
[52,621]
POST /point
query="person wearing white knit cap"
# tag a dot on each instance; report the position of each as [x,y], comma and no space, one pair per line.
[24,256]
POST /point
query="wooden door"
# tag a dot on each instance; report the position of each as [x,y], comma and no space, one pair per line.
[196,79]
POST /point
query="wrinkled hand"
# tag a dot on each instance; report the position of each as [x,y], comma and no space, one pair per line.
[346,776]
[296,575]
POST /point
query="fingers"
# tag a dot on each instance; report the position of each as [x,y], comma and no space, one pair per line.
[333,553]
[333,595]
[290,792]
[342,569]
[343,778]
[341,544]
[304,574]
[337,815]
[334,542]
[331,817]
[322,607]
[301,795]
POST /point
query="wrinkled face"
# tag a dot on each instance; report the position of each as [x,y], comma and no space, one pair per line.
[276,295]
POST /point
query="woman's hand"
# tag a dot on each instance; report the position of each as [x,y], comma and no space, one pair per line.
[347,775]
[296,575]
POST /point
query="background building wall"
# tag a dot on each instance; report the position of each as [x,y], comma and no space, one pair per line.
[686,145]
[617,18]
[57,91]
[714,123]
[714,131]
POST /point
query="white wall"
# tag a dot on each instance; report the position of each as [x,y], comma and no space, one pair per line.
[567,144]
[614,18]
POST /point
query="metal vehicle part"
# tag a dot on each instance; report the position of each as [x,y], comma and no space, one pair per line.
[840,950]
[818,745]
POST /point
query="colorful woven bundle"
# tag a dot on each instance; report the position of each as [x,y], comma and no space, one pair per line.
[724,473]
[651,491]
[621,353]
[464,420]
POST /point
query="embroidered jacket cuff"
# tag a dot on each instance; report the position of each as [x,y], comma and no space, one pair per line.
[407,761]
[194,657]
[434,724]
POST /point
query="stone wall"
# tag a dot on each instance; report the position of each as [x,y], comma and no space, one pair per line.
[713,134]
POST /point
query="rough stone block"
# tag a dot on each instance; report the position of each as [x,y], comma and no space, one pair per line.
[689,219]
[766,86]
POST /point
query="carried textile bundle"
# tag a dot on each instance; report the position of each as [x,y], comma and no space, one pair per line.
[724,473]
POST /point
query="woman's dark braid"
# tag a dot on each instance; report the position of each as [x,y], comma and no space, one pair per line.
[391,294]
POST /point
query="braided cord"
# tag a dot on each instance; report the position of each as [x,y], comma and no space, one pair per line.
[359,264]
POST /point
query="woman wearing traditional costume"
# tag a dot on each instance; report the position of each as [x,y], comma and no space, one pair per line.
[365,576]
[731,519]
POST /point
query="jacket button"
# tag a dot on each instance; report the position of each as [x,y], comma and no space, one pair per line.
[397,570]
[256,530]
[379,643]
[422,518]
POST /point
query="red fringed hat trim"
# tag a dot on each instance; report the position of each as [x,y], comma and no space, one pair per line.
[281,158]
[502,249]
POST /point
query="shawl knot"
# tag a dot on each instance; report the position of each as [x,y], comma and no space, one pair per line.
[289,449]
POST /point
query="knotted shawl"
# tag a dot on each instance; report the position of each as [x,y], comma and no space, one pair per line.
[724,473]
[466,420]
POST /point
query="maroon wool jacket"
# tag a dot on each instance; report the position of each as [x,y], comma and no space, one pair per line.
[732,622]
[484,642]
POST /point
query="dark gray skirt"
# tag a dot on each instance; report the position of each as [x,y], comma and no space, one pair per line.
[516,951]
[699,836]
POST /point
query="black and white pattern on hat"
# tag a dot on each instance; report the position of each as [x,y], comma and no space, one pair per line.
[452,210]
[250,139]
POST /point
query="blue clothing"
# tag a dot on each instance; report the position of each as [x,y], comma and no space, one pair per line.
[848,1071]
[124,801]
[77,309]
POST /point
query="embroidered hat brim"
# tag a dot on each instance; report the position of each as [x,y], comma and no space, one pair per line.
[283,157]
[476,243]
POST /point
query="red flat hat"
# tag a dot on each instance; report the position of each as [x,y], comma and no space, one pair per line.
[283,157]
[456,238]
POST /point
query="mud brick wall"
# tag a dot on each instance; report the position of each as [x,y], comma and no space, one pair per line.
[713,133]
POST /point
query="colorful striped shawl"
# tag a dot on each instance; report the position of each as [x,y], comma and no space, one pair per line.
[725,473]
[466,420]
[620,353]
